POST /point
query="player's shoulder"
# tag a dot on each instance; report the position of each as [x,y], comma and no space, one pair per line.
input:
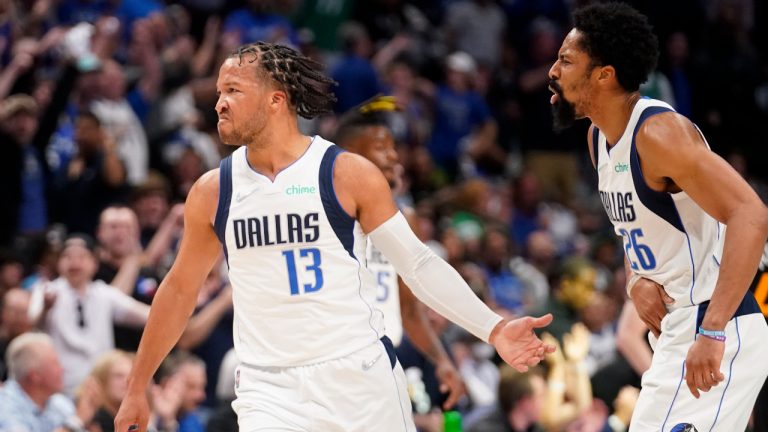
[207,183]
[356,167]
[203,197]
[668,129]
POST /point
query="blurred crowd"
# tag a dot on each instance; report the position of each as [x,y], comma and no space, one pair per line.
[107,119]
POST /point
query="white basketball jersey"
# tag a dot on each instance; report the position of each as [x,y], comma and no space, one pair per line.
[387,293]
[301,294]
[667,237]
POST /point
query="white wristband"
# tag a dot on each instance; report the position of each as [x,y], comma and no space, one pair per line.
[631,283]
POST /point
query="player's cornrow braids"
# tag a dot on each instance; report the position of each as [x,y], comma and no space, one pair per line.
[301,77]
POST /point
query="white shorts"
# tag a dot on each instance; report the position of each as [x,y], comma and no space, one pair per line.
[666,404]
[364,391]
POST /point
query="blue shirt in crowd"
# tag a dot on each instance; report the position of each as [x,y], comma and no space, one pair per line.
[357,80]
[19,413]
[33,210]
[456,116]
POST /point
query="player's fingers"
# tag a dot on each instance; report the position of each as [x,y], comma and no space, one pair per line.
[700,380]
[718,376]
[652,326]
[453,397]
[521,368]
[691,385]
[541,321]
[664,296]
[533,361]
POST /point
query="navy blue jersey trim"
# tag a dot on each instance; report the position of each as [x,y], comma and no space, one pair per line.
[595,143]
[747,306]
[390,347]
[225,198]
[342,223]
[660,203]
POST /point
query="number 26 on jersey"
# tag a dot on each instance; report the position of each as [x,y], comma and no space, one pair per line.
[638,254]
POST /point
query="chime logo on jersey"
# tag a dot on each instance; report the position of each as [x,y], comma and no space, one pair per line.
[618,205]
[294,190]
[276,229]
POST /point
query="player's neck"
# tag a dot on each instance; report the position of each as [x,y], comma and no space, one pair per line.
[612,112]
[276,149]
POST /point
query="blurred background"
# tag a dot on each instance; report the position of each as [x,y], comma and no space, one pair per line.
[107,119]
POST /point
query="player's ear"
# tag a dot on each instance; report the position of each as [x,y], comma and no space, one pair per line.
[277,98]
[605,73]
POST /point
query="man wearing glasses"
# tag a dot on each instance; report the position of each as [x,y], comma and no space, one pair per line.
[78,312]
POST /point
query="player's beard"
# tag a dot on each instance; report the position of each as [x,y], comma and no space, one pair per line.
[563,113]
[244,134]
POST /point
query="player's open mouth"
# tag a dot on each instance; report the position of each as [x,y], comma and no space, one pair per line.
[555,95]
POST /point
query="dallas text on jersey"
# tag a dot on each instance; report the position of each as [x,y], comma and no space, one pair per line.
[287,229]
[618,205]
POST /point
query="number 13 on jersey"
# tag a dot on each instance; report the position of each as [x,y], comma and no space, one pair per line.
[309,261]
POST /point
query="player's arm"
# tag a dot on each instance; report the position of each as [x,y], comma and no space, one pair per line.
[175,299]
[423,337]
[415,321]
[671,148]
[630,339]
[363,191]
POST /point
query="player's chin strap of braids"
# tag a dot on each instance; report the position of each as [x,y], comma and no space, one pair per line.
[431,279]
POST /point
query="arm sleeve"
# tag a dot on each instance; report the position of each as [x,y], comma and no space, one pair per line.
[431,279]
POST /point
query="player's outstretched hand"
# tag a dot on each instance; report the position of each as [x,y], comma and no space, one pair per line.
[518,345]
[702,365]
[133,414]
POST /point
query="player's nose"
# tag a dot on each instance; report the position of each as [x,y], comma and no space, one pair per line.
[554,71]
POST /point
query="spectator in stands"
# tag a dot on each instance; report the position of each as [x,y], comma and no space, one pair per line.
[550,155]
[189,370]
[209,332]
[151,202]
[14,321]
[462,120]
[11,270]
[223,417]
[120,112]
[123,264]
[23,171]
[477,27]
[79,312]
[357,79]
[110,373]
[521,401]
[257,21]
[94,179]
[31,400]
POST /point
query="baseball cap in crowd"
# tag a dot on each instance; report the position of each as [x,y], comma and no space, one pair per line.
[461,62]
[17,103]
[79,240]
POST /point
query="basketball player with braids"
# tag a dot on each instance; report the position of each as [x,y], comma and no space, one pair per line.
[365,130]
[670,198]
[294,214]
